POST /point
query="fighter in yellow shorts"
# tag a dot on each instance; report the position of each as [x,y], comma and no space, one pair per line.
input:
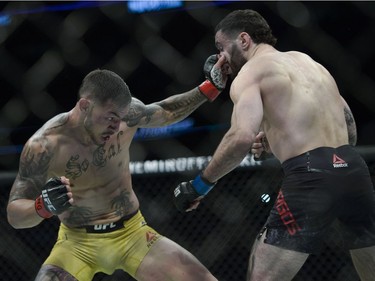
[85,154]
[103,248]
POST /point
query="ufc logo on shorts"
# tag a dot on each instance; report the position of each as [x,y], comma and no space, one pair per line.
[104,226]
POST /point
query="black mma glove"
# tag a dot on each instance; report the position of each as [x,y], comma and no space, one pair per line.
[216,80]
[186,192]
[54,199]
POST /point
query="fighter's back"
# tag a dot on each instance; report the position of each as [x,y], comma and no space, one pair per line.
[302,105]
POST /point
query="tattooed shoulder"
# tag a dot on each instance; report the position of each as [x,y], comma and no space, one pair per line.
[138,111]
[58,121]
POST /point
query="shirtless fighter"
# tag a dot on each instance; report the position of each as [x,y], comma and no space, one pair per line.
[294,102]
[77,167]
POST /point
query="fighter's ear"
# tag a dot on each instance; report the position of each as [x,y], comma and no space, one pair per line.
[245,40]
[84,104]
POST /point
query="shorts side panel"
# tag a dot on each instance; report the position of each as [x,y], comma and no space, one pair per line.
[301,215]
[322,187]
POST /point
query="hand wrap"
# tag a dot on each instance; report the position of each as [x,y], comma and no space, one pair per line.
[187,192]
[54,199]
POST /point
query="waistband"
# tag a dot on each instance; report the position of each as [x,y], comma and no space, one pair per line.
[109,227]
[324,158]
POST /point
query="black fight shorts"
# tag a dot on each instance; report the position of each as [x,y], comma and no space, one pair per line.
[321,188]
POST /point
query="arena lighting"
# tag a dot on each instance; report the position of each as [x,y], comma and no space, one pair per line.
[166,131]
[5,20]
[138,7]
[143,6]
[6,16]
[185,126]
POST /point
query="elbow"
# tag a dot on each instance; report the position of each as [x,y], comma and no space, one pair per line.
[13,217]
[243,143]
[13,223]
[16,224]
[244,147]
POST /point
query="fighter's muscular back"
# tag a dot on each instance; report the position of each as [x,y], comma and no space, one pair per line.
[301,105]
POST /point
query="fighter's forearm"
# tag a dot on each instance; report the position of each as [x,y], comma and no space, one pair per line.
[180,106]
[229,154]
[22,214]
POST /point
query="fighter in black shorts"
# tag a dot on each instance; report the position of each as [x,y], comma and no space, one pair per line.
[295,102]
[322,186]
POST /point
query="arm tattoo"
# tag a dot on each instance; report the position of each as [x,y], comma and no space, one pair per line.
[33,170]
[164,112]
[136,112]
[350,123]
[34,164]
[61,121]
[180,106]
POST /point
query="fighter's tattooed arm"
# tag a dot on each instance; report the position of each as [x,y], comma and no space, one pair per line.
[35,161]
[350,123]
[32,175]
[167,111]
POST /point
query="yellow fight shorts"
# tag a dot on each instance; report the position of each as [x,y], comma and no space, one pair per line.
[103,248]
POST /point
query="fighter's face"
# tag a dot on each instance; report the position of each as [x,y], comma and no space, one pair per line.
[103,121]
[230,48]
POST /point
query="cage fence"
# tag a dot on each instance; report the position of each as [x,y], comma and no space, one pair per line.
[45,52]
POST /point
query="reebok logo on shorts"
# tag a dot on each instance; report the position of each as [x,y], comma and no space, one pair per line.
[338,162]
[151,238]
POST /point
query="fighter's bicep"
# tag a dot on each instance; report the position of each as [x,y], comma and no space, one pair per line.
[142,115]
[248,108]
[33,170]
[23,188]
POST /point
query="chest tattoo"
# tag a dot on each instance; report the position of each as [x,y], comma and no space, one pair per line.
[101,155]
[74,168]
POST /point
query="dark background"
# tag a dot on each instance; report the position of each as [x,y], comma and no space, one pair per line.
[46,48]
[45,53]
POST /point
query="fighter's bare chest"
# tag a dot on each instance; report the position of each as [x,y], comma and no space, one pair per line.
[79,162]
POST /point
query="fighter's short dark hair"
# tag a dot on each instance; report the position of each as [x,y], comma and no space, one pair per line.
[248,21]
